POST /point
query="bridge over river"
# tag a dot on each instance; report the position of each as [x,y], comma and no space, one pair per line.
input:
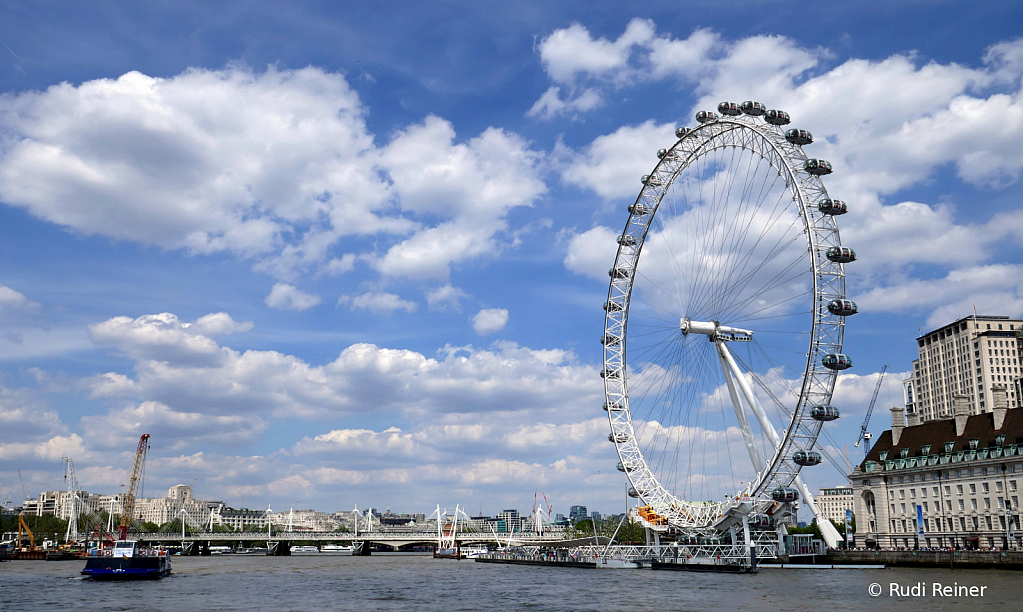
[390,538]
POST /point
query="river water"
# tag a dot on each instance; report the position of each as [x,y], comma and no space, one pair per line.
[413,582]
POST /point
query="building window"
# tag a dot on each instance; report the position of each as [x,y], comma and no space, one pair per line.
[973,504]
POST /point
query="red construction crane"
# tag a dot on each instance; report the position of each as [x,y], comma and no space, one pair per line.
[133,486]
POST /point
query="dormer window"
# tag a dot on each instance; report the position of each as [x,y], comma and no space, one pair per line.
[883,455]
[949,446]
[974,443]
[999,439]
[904,453]
[925,450]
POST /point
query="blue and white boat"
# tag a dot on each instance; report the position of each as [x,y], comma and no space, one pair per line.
[127,561]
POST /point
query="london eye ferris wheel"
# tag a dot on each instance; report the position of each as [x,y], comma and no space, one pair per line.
[724,321]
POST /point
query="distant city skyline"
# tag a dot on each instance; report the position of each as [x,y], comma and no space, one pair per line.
[329,255]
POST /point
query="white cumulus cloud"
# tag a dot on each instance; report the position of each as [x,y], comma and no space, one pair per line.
[380,303]
[287,297]
[489,320]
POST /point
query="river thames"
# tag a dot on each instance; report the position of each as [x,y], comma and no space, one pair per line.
[419,582]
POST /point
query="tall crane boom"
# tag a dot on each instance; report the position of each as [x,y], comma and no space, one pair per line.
[133,486]
[864,436]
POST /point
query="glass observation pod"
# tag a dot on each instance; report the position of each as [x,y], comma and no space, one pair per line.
[842,308]
[729,108]
[777,117]
[637,209]
[618,273]
[682,132]
[798,137]
[632,492]
[836,361]
[612,407]
[650,181]
[619,438]
[840,254]
[613,307]
[752,108]
[622,468]
[610,340]
[662,153]
[706,116]
[784,494]
[806,458]
[610,374]
[824,413]
[759,521]
[626,240]
[832,207]
[817,167]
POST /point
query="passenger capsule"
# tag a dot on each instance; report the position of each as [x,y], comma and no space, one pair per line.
[824,413]
[842,308]
[752,108]
[682,132]
[638,209]
[836,361]
[650,181]
[832,207]
[784,495]
[662,153]
[613,307]
[611,374]
[777,117]
[622,468]
[840,254]
[706,116]
[627,240]
[818,167]
[610,340]
[633,492]
[617,438]
[806,458]
[612,407]
[759,521]
[729,108]
[618,273]
[798,137]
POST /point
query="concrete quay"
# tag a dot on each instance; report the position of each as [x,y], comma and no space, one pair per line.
[964,559]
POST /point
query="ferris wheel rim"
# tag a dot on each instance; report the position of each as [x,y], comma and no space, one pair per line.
[817,383]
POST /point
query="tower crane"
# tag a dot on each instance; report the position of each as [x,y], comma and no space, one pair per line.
[864,434]
[133,485]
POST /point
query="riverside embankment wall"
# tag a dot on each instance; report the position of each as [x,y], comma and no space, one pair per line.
[980,559]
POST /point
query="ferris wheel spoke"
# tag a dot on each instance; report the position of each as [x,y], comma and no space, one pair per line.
[775,282]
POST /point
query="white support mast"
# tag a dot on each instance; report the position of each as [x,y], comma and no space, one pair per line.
[720,335]
[71,484]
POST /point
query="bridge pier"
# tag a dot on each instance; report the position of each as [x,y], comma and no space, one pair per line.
[362,549]
[278,548]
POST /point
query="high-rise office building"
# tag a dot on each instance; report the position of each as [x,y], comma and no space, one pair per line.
[966,357]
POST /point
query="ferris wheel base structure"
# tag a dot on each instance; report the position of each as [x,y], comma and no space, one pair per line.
[740,246]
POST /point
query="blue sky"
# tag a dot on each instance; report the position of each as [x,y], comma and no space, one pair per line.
[329,254]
